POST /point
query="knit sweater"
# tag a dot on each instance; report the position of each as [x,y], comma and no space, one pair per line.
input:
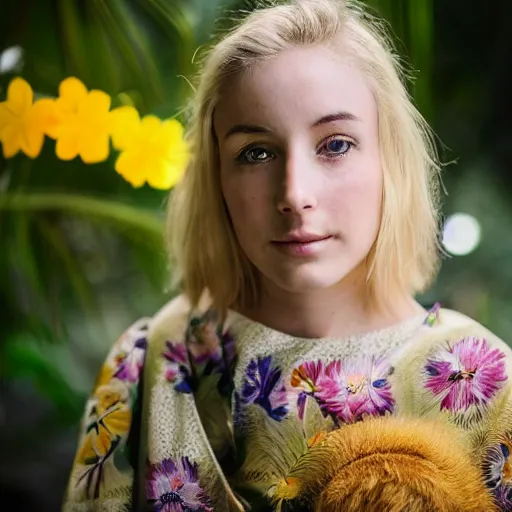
[191,413]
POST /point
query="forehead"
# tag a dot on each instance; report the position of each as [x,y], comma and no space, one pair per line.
[298,86]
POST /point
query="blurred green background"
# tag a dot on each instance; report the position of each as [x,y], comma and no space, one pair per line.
[82,252]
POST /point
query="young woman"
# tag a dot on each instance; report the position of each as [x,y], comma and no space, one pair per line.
[304,227]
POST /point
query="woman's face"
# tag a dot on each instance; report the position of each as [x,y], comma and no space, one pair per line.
[300,167]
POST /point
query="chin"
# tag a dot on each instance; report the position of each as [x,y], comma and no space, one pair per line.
[308,279]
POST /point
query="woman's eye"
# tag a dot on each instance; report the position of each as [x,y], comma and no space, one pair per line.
[336,147]
[255,155]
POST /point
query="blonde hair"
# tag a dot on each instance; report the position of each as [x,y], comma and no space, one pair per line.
[205,253]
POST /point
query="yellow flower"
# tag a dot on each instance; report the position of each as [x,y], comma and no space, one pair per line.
[109,422]
[83,128]
[153,151]
[22,122]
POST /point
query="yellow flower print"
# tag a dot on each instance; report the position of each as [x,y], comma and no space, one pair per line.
[83,128]
[109,422]
[105,375]
[23,122]
[152,150]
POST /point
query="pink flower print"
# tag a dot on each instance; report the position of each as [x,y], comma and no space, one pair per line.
[173,487]
[130,360]
[468,373]
[304,379]
[356,389]
[306,375]
[177,366]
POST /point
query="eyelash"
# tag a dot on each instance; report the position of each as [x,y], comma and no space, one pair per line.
[242,155]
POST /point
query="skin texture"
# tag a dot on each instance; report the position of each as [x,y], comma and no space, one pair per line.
[299,157]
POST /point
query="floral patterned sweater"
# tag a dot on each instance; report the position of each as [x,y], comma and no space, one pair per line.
[188,414]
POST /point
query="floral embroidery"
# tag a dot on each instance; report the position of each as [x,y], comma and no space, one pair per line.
[173,487]
[433,315]
[263,385]
[203,340]
[498,475]
[205,351]
[225,384]
[108,423]
[468,373]
[109,419]
[130,360]
[109,412]
[352,390]
[177,366]
[305,378]
[208,345]
[503,496]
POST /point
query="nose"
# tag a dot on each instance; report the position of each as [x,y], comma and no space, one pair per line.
[297,191]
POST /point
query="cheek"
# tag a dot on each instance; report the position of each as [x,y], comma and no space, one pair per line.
[356,198]
[246,203]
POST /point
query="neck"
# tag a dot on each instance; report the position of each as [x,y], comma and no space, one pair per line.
[339,311]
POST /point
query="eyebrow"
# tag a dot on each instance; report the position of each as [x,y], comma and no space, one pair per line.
[246,128]
[337,116]
[329,118]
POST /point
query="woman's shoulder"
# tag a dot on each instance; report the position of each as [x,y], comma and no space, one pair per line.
[459,330]
[170,320]
[452,320]
[450,329]
[128,354]
[456,367]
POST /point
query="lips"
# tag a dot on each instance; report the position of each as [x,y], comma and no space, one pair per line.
[302,245]
[305,238]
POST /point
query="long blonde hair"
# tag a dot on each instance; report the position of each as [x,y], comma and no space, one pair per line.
[205,253]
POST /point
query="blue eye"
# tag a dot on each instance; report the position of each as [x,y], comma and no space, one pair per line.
[336,147]
[254,155]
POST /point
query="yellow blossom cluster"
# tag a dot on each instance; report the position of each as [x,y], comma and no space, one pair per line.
[83,125]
